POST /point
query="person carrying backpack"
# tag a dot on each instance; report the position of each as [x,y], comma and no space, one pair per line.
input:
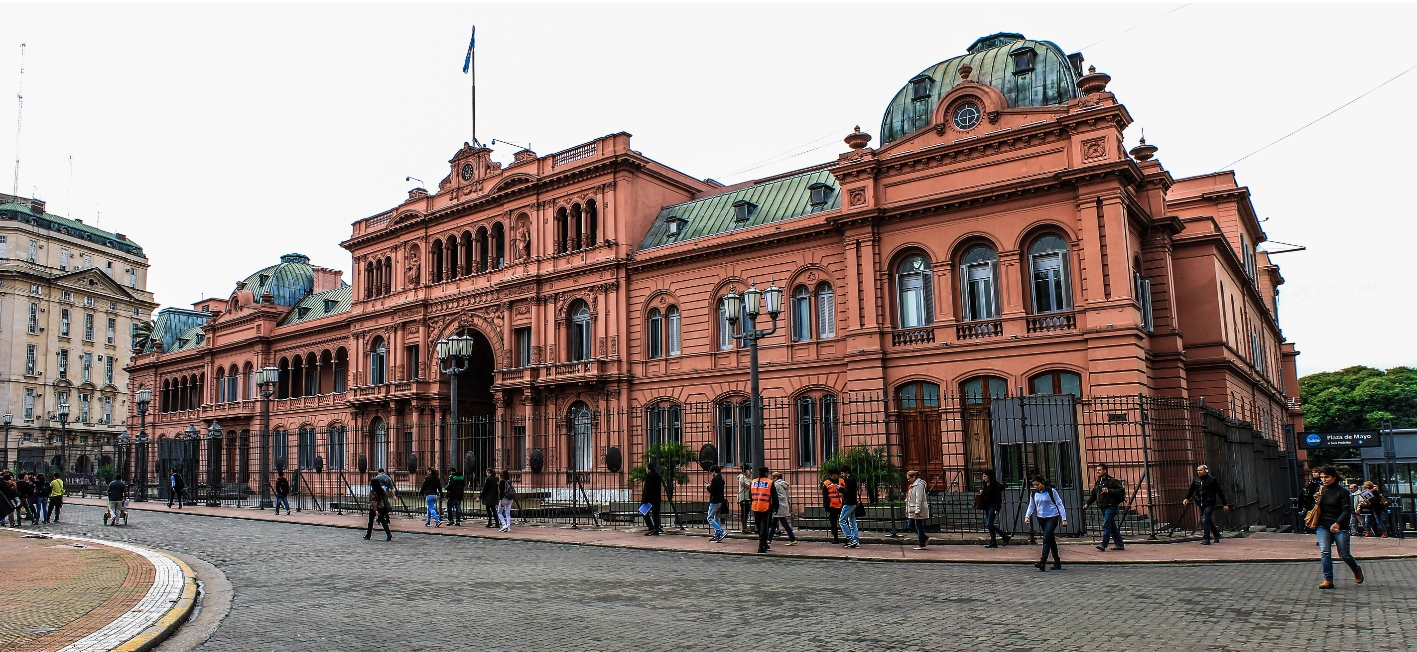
[456,486]
[1109,493]
[176,485]
[1374,510]
[504,507]
[378,509]
[282,492]
[1048,506]
[432,489]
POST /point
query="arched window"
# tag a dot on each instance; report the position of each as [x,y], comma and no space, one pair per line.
[591,222]
[312,376]
[297,377]
[498,237]
[1048,266]
[735,428]
[378,445]
[481,243]
[725,329]
[378,360]
[341,369]
[826,311]
[162,397]
[915,294]
[801,314]
[250,381]
[220,385]
[654,332]
[233,385]
[577,227]
[664,424]
[671,318]
[283,380]
[435,262]
[388,274]
[368,280]
[453,255]
[561,230]
[336,436]
[978,291]
[582,438]
[981,390]
[1057,382]
[581,338]
[305,448]
[806,431]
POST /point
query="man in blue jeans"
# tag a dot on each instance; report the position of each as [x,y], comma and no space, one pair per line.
[1109,493]
[849,504]
[282,492]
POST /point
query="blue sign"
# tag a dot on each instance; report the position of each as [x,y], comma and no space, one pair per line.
[1353,439]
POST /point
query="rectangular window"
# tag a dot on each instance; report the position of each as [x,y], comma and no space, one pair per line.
[108,268]
[337,442]
[30,354]
[829,426]
[34,251]
[523,341]
[1049,290]
[979,292]
[108,409]
[64,260]
[84,400]
[1011,465]
[826,312]
[518,456]
[63,322]
[727,429]
[655,335]
[112,329]
[63,363]
[132,278]
[4,244]
[88,301]
[801,315]
[88,366]
[88,327]
[34,318]
[29,405]
[108,370]
[672,320]
[410,353]
[280,447]
[88,261]
[806,432]
[112,305]
[1144,297]
[305,452]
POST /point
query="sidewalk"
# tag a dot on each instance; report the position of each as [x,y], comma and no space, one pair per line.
[1258,547]
[76,594]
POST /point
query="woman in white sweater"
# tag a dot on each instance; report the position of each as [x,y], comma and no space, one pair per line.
[1048,506]
[917,508]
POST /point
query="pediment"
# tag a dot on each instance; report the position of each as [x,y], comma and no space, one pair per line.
[89,280]
[512,182]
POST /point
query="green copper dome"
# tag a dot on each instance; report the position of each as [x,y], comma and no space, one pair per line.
[1028,73]
[287,282]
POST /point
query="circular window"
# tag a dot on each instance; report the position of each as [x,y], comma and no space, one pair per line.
[966,116]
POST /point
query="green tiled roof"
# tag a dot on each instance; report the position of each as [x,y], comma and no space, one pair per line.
[73,228]
[320,304]
[189,339]
[775,200]
[288,282]
[172,324]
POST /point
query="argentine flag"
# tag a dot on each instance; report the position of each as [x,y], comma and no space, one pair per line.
[467,61]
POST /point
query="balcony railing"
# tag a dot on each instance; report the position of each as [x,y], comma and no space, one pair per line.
[979,330]
[913,336]
[1052,323]
[577,368]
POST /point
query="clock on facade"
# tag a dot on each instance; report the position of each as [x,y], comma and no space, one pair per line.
[966,116]
[467,169]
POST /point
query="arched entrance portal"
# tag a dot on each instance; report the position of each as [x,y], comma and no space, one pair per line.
[473,444]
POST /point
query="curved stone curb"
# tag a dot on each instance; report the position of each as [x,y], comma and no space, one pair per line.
[165,606]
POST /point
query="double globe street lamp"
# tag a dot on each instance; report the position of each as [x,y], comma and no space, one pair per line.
[63,412]
[143,398]
[454,356]
[752,303]
[266,379]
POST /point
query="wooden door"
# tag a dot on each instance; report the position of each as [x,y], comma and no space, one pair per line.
[918,410]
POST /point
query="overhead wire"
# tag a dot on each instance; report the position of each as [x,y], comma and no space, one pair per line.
[786,154]
[1135,26]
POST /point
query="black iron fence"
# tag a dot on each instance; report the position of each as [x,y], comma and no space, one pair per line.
[587,466]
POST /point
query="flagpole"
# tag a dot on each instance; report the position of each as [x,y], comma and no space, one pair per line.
[474,96]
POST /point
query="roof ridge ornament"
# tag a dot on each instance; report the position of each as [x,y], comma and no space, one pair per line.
[964,71]
[1143,152]
[1093,82]
[857,139]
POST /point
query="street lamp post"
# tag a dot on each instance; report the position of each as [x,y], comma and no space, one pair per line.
[63,413]
[454,355]
[266,380]
[214,433]
[143,398]
[751,304]
[189,461]
[9,419]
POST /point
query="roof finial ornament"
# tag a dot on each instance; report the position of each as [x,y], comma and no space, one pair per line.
[1093,81]
[964,71]
[856,139]
[1143,152]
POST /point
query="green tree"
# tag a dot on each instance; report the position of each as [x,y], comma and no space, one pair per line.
[871,466]
[671,457]
[142,335]
[1357,398]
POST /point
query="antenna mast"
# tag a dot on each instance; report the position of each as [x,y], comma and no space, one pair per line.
[19,120]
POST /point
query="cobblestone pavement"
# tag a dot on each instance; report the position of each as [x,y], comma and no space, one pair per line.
[57,592]
[304,587]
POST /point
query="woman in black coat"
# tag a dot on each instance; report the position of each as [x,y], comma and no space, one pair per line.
[991,499]
[1335,505]
[378,510]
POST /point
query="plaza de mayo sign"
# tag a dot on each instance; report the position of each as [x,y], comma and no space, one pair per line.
[1352,439]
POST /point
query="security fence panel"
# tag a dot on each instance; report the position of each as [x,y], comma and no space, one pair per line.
[1037,436]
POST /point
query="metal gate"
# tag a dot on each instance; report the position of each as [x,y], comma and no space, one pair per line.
[1037,435]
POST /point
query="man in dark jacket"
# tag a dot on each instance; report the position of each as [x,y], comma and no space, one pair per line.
[282,492]
[456,487]
[1109,493]
[764,502]
[490,496]
[8,496]
[718,503]
[652,496]
[176,485]
[25,489]
[117,493]
[1206,492]
[849,504]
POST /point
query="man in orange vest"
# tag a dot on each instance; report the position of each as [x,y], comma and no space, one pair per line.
[831,497]
[764,503]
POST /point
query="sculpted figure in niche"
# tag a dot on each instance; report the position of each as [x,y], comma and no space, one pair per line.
[412,272]
[521,242]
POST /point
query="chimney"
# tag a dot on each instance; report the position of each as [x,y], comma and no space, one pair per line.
[37,205]
[120,236]
[326,279]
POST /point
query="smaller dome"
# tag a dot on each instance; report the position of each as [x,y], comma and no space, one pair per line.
[287,282]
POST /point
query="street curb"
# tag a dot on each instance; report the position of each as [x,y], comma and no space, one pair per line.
[168,622]
[790,555]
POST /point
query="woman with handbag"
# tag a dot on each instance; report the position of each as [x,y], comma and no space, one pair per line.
[1329,518]
[378,510]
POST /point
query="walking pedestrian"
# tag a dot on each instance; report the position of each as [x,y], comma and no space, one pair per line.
[991,500]
[378,508]
[831,499]
[282,492]
[1374,510]
[782,514]
[1207,493]
[117,494]
[764,503]
[850,502]
[432,490]
[491,496]
[24,491]
[56,497]
[718,503]
[388,482]
[1356,523]
[41,493]
[504,507]
[9,499]
[745,482]
[1048,505]
[456,487]
[176,485]
[1109,493]
[917,508]
[651,495]
[1335,506]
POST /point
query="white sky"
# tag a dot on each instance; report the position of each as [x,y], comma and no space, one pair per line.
[219,137]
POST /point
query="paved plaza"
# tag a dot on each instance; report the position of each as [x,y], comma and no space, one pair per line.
[306,587]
